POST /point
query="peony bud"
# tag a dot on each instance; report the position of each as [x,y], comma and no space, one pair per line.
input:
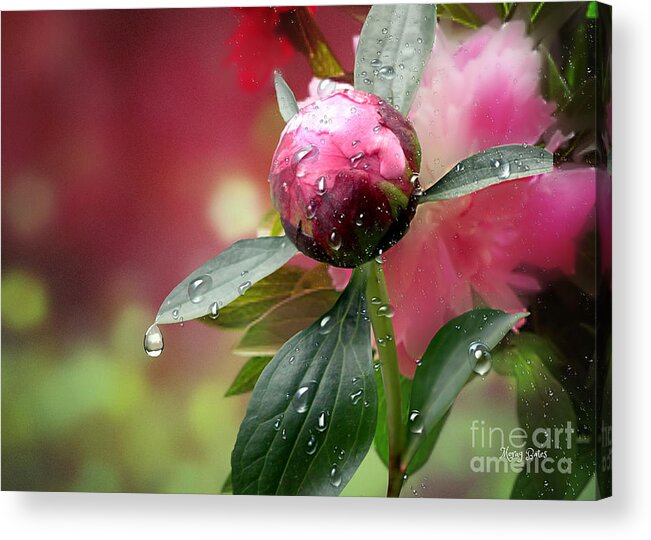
[344,177]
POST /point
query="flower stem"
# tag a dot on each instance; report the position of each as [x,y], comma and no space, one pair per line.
[377,297]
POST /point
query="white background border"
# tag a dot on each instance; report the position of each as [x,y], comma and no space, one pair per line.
[626,515]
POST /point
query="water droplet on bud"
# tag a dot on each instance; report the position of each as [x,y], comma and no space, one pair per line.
[326,88]
[335,240]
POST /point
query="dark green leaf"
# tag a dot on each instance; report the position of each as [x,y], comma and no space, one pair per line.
[504,10]
[393,50]
[490,167]
[461,14]
[247,377]
[546,413]
[313,412]
[446,366]
[225,278]
[267,335]
[286,100]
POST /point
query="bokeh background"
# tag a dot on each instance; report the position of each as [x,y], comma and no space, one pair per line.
[131,154]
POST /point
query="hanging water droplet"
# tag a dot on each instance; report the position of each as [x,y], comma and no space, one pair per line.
[322,421]
[244,287]
[335,240]
[321,185]
[387,72]
[479,357]
[415,422]
[312,443]
[326,88]
[153,341]
[213,312]
[198,287]
[385,311]
[304,396]
[356,396]
[326,324]
[335,476]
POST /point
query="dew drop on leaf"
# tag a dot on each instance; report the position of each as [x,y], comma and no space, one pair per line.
[198,287]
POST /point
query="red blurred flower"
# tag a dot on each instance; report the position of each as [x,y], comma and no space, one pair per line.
[260,43]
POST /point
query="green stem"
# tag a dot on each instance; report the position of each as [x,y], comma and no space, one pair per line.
[377,298]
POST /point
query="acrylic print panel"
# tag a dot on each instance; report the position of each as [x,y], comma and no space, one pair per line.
[369,248]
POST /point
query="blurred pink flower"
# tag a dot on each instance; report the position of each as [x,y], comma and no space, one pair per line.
[480,249]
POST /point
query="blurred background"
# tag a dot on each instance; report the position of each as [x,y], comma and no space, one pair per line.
[134,149]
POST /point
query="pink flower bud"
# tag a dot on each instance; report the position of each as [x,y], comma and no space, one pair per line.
[344,177]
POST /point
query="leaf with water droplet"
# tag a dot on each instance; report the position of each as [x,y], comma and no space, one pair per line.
[219,279]
[445,370]
[248,375]
[490,167]
[265,463]
[404,24]
[286,101]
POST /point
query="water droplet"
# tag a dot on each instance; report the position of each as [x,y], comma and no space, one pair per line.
[283,434]
[291,359]
[307,153]
[376,63]
[503,170]
[335,476]
[387,72]
[335,240]
[175,313]
[326,88]
[322,421]
[385,311]
[415,422]
[479,357]
[244,287]
[326,324]
[321,185]
[213,312]
[356,396]
[376,301]
[198,287]
[377,128]
[304,396]
[310,447]
[354,160]
[310,210]
[385,31]
[354,143]
[277,422]
[153,341]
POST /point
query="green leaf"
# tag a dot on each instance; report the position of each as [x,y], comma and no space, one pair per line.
[225,278]
[267,335]
[394,47]
[313,412]
[546,413]
[247,377]
[286,99]
[557,88]
[227,487]
[504,9]
[490,167]
[461,14]
[259,299]
[445,368]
